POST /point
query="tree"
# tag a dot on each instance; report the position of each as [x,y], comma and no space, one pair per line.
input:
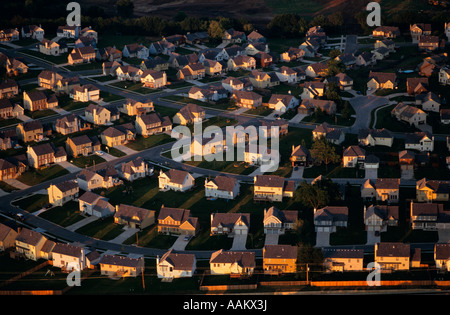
[125,8]
[324,152]
[312,195]
[215,30]
[334,53]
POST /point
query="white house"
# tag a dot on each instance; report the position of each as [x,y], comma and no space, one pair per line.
[176,180]
[175,265]
[95,205]
[68,257]
[222,187]
[135,50]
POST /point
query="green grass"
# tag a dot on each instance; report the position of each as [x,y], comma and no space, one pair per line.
[31,203]
[52,59]
[86,161]
[104,229]
[34,177]
[65,215]
[142,143]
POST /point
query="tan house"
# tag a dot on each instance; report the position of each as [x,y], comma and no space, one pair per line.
[153,123]
[191,72]
[175,265]
[212,67]
[49,47]
[176,180]
[233,263]
[225,187]
[117,135]
[343,260]
[382,189]
[392,256]
[189,114]
[430,43]
[230,223]
[86,93]
[82,145]
[432,190]
[8,88]
[410,114]
[382,80]
[418,30]
[29,243]
[29,131]
[272,188]
[121,266]
[60,193]
[425,216]
[377,218]
[11,168]
[444,76]
[70,123]
[135,108]
[353,156]
[386,32]
[177,221]
[81,55]
[374,137]
[97,115]
[309,106]
[279,259]
[7,237]
[135,169]
[38,100]
[247,99]
[416,86]
[243,62]
[134,217]
[15,67]
[96,205]
[277,221]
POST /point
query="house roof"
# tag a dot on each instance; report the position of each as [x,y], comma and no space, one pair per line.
[118,260]
[224,183]
[229,219]
[269,181]
[343,253]
[67,249]
[280,251]
[176,176]
[132,213]
[28,236]
[243,259]
[179,261]
[393,249]
[354,150]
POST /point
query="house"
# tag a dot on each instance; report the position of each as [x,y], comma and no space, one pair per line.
[33,31]
[377,218]
[135,169]
[81,55]
[135,51]
[82,145]
[416,86]
[161,47]
[29,243]
[189,114]
[282,103]
[263,59]
[418,30]
[343,260]
[135,108]
[197,38]
[442,256]
[68,257]
[243,62]
[175,265]
[9,35]
[11,168]
[191,72]
[41,155]
[109,54]
[409,114]
[51,80]
[347,59]
[444,76]
[280,259]
[15,67]
[97,115]
[118,135]
[288,75]
[134,217]
[210,93]
[392,256]
[176,39]
[309,106]
[8,139]
[366,59]
[38,100]
[300,156]
[430,102]
[252,49]
[224,187]
[152,123]
[277,221]
[233,263]
[313,90]
[121,266]
[7,109]
[374,137]
[86,93]
[247,99]
[127,73]
[177,221]
[272,188]
[342,80]
[444,115]
[176,180]
[327,219]
[382,80]
[230,223]
[432,190]
[89,180]
[425,216]
[8,89]
[212,67]
[31,130]
[387,189]
[7,237]
[260,79]
[231,84]
[52,48]
[70,123]
[386,32]
[318,69]
[292,54]
[179,62]
[430,43]
[60,193]
[386,43]
[331,134]
[353,156]
[95,205]
[154,79]
[255,37]
[68,31]
[421,141]
[233,36]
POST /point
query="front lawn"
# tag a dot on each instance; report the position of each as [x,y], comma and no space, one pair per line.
[34,177]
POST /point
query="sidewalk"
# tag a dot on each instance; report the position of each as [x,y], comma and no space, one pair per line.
[15,183]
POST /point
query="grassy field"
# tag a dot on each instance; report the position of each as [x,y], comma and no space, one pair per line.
[34,177]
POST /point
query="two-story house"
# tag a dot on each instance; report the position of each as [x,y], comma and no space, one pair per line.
[177,221]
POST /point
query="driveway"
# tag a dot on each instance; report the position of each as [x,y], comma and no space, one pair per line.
[180,243]
[371,173]
[126,149]
[298,173]
[69,166]
[271,239]
[298,118]
[322,239]
[239,241]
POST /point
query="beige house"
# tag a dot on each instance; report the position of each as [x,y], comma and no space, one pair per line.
[382,189]
[82,145]
[7,237]
[392,256]
[353,156]
[432,190]
[233,263]
[86,93]
[272,188]
[135,108]
[377,218]
[421,141]
[230,223]
[177,221]
[121,266]
[442,256]
[29,243]
[153,123]
[374,137]
[189,114]
[176,180]
[410,114]
[49,47]
[386,32]
[343,260]
[135,169]
[175,265]
[444,76]
[134,217]
[279,259]
[118,135]
[41,155]
[224,187]
[382,80]
[154,79]
[277,221]
[212,67]
[96,205]
[97,115]
[243,62]
[247,99]
[60,193]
